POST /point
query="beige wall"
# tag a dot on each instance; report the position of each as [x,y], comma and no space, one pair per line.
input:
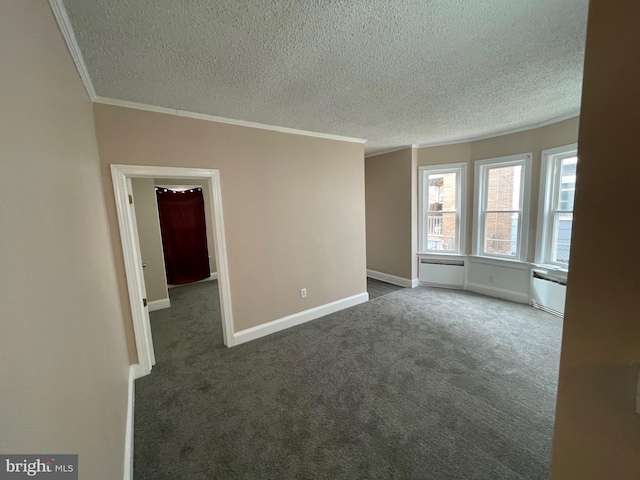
[390,208]
[208,213]
[293,206]
[155,278]
[597,431]
[534,141]
[63,357]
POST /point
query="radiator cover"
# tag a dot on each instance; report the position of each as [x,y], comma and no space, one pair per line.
[445,273]
[547,293]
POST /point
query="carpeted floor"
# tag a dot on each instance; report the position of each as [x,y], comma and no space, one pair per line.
[419,384]
[377,288]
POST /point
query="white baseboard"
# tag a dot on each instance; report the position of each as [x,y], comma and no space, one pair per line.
[128,440]
[159,304]
[259,331]
[400,281]
[442,285]
[137,370]
[511,295]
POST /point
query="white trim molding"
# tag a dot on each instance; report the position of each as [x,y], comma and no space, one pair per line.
[229,121]
[122,175]
[500,262]
[481,185]
[129,428]
[70,38]
[549,181]
[133,270]
[280,324]
[442,255]
[137,371]
[159,304]
[460,171]
[393,279]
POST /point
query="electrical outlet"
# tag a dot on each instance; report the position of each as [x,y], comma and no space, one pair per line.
[303,292]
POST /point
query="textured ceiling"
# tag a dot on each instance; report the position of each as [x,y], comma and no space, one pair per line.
[392,72]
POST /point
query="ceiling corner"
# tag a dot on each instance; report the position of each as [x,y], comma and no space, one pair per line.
[64,23]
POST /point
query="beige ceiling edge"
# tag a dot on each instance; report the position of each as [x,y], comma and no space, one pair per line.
[230,121]
[573,114]
[60,13]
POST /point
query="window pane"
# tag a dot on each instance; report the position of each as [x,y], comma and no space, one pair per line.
[442,192]
[501,233]
[441,231]
[503,188]
[567,183]
[562,237]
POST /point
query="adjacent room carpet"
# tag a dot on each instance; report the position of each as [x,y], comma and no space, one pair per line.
[377,288]
[421,383]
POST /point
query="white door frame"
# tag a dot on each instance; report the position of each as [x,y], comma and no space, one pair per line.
[122,175]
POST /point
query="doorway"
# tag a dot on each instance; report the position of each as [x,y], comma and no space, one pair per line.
[122,175]
[183,230]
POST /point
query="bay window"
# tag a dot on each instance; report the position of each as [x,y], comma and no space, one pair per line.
[555,214]
[442,201]
[501,213]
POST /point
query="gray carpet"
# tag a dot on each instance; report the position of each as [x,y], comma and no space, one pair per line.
[418,384]
[377,288]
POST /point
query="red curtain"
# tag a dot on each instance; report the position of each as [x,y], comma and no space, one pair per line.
[184,235]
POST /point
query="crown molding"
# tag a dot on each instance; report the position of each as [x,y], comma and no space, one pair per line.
[70,38]
[573,114]
[230,121]
[64,23]
[390,150]
[66,29]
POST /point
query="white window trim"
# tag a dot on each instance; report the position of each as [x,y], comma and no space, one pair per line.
[480,180]
[543,236]
[461,205]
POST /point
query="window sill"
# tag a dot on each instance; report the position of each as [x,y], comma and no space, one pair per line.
[505,262]
[444,255]
[555,268]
